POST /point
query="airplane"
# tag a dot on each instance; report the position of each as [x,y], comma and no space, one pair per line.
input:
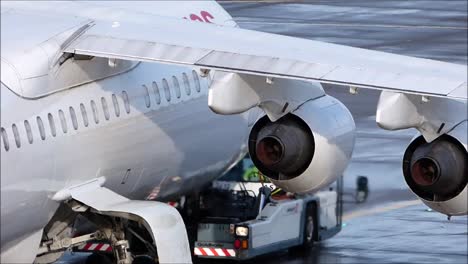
[110,108]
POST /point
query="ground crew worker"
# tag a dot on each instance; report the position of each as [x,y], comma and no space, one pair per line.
[251,174]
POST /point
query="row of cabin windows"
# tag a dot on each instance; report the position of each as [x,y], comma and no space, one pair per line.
[167,91]
[63,120]
[94,108]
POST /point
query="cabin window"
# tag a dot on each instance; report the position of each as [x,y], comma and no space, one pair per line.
[186,83]
[29,133]
[63,121]
[196,80]
[6,143]
[147,96]
[53,131]
[167,92]
[95,112]
[73,118]
[40,126]
[157,95]
[176,86]
[126,101]
[116,105]
[16,135]
[105,108]
[84,115]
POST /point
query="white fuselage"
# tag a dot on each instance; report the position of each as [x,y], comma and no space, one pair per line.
[148,139]
[150,152]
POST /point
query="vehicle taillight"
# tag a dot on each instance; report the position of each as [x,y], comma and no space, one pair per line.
[237,244]
[245,244]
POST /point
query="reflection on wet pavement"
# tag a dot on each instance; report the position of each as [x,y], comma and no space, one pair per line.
[406,235]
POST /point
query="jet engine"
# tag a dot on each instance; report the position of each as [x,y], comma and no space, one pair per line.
[437,172]
[307,149]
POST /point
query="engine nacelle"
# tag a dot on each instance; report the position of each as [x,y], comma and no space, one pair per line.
[306,149]
[437,172]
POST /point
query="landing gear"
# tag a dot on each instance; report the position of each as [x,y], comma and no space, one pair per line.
[127,229]
[111,239]
[58,229]
[129,240]
[122,252]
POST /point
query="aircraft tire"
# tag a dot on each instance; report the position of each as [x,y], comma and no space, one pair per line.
[310,232]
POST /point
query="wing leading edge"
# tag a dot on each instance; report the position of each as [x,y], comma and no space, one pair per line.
[244,51]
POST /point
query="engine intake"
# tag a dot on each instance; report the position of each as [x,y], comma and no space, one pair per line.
[436,171]
[285,147]
[307,149]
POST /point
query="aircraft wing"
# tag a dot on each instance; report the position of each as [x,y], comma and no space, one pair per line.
[238,50]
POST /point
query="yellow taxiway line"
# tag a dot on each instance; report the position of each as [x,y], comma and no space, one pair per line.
[380,209]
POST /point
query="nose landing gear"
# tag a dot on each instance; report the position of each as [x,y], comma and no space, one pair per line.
[122,252]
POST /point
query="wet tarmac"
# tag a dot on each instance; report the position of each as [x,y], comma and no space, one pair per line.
[401,235]
[435,29]
[392,226]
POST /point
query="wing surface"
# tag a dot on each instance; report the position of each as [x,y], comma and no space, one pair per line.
[238,50]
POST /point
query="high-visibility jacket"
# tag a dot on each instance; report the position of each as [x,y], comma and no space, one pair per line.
[251,174]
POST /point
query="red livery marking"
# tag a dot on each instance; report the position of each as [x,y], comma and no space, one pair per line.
[204,16]
[214,252]
[195,18]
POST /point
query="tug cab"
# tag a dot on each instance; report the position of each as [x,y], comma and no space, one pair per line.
[243,216]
